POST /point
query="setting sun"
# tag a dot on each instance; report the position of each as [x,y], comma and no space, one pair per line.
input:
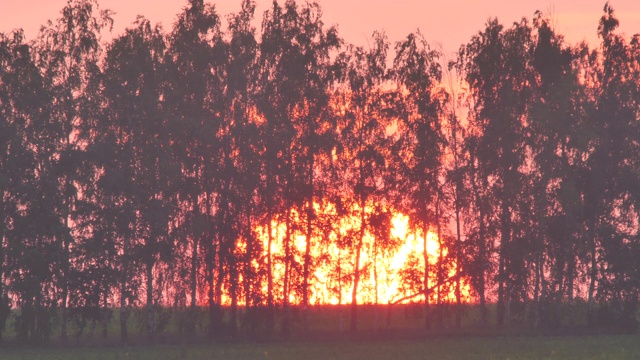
[382,281]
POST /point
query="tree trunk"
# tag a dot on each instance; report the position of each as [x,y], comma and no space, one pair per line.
[482,253]
[458,250]
[571,265]
[503,286]
[537,297]
[105,314]
[247,278]
[223,254]
[4,306]
[212,253]
[287,273]
[541,205]
[233,289]
[482,250]
[341,315]
[149,306]
[440,270]
[65,282]
[593,272]
[270,314]
[356,271]
[124,312]
[194,262]
[571,258]
[458,188]
[307,255]
[375,283]
[505,268]
[210,278]
[194,286]
[425,284]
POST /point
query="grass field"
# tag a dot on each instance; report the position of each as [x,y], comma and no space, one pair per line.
[587,347]
[384,333]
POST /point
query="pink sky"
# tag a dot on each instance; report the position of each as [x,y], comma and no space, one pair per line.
[446,22]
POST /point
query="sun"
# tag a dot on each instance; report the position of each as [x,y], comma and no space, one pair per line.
[388,274]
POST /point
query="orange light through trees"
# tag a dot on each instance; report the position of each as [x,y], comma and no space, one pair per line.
[391,269]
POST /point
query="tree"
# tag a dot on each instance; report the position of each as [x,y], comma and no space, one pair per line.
[608,189]
[497,67]
[23,268]
[194,97]
[455,173]
[556,124]
[68,51]
[295,51]
[133,79]
[363,104]
[277,136]
[420,146]
[315,46]
[241,72]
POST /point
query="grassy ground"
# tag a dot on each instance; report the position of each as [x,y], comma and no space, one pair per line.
[591,347]
[395,333]
[331,319]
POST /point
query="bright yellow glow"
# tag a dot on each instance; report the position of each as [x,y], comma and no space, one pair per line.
[331,278]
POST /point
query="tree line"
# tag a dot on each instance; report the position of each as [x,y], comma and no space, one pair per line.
[151,172]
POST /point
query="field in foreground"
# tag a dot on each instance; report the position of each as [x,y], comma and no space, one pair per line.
[586,347]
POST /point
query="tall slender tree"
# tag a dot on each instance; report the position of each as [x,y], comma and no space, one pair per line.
[133,90]
[69,50]
[295,50]
[608,215]
[455,172]
[241,72]
[555,123]
[362,134]
[497,68]
[421,146]
[22,267]
[194,97]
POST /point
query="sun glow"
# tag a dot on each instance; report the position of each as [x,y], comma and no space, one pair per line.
[391,269]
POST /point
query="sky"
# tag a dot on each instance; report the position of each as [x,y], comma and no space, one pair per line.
[446,24]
